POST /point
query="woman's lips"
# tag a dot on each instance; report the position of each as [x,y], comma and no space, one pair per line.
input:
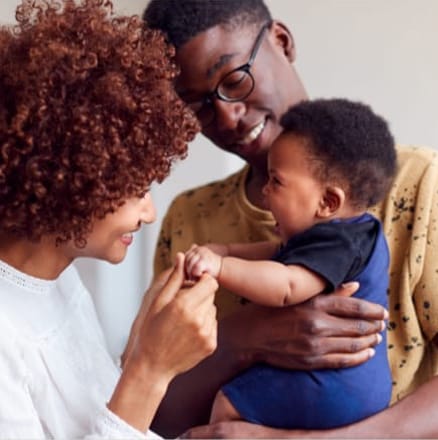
[126,239]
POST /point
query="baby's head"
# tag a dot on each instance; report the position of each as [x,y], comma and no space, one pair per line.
[342,152]
[88,117]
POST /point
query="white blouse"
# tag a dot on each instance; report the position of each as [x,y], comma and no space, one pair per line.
[56,374]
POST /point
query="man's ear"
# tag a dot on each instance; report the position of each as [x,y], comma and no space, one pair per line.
[283,37]
[332,200]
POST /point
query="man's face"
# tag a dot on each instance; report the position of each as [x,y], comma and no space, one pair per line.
[247,127]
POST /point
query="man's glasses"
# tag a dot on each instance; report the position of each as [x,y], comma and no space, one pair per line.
[234,86]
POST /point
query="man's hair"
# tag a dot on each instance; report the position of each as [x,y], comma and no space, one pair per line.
[182,20]
[348,144]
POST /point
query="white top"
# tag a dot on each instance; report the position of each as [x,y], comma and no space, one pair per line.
[56,374]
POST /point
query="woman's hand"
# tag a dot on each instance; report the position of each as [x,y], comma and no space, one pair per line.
[156,287]
[175,332]
[181,322]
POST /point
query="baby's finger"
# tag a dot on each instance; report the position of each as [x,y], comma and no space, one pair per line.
[191,263]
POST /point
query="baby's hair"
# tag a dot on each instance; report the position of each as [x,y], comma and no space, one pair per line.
[348,144]
[182,20]
[88,116]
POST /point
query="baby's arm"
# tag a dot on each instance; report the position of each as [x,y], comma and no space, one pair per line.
[201,259]
[262,281]
[269,283]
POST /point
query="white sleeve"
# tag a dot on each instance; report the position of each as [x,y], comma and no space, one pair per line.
[109,425]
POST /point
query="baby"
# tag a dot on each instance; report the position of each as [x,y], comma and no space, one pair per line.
[333,161]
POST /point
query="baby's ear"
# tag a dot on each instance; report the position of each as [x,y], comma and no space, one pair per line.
[332,200]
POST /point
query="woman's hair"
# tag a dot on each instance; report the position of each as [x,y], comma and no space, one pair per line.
[88,116]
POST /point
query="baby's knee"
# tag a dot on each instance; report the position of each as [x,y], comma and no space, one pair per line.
[223,410]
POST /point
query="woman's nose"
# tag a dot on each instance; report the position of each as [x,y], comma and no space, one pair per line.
[149,213]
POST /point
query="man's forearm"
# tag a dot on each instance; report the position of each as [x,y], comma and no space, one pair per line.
[412,417]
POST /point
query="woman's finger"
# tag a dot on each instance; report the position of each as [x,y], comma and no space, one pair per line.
[172,285]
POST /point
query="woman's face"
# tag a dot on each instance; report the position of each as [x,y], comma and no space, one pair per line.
[246,128]
[112,235]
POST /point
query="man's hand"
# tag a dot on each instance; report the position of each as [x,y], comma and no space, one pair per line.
[327,331]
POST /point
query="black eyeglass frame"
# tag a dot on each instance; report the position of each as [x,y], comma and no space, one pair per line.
[207,100]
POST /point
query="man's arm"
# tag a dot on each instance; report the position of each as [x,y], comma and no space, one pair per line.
[412,417]
[329,331]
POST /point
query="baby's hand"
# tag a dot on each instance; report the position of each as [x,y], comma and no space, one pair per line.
[200,259]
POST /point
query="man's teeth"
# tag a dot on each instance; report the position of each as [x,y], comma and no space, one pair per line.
[254,133]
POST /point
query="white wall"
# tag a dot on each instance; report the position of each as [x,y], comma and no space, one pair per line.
[381,52]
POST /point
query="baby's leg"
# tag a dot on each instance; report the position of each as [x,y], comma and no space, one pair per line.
[223,410]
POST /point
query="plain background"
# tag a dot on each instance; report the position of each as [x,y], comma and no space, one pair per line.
[383,52]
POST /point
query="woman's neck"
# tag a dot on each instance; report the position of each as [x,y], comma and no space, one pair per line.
[42,260]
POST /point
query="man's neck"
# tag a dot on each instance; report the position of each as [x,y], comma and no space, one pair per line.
[256,180]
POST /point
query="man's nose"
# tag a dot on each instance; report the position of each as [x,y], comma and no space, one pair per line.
[228,114]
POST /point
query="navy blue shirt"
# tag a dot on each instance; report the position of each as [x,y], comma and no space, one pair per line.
[336,250]
[339,251]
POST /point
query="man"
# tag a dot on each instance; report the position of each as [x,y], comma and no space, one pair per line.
[237,74]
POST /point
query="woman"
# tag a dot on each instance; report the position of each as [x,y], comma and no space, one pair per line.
[88,120]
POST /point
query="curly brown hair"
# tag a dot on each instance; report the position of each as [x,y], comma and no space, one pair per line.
[88,116]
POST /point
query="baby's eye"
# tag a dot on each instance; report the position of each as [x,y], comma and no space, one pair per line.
[274,180]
